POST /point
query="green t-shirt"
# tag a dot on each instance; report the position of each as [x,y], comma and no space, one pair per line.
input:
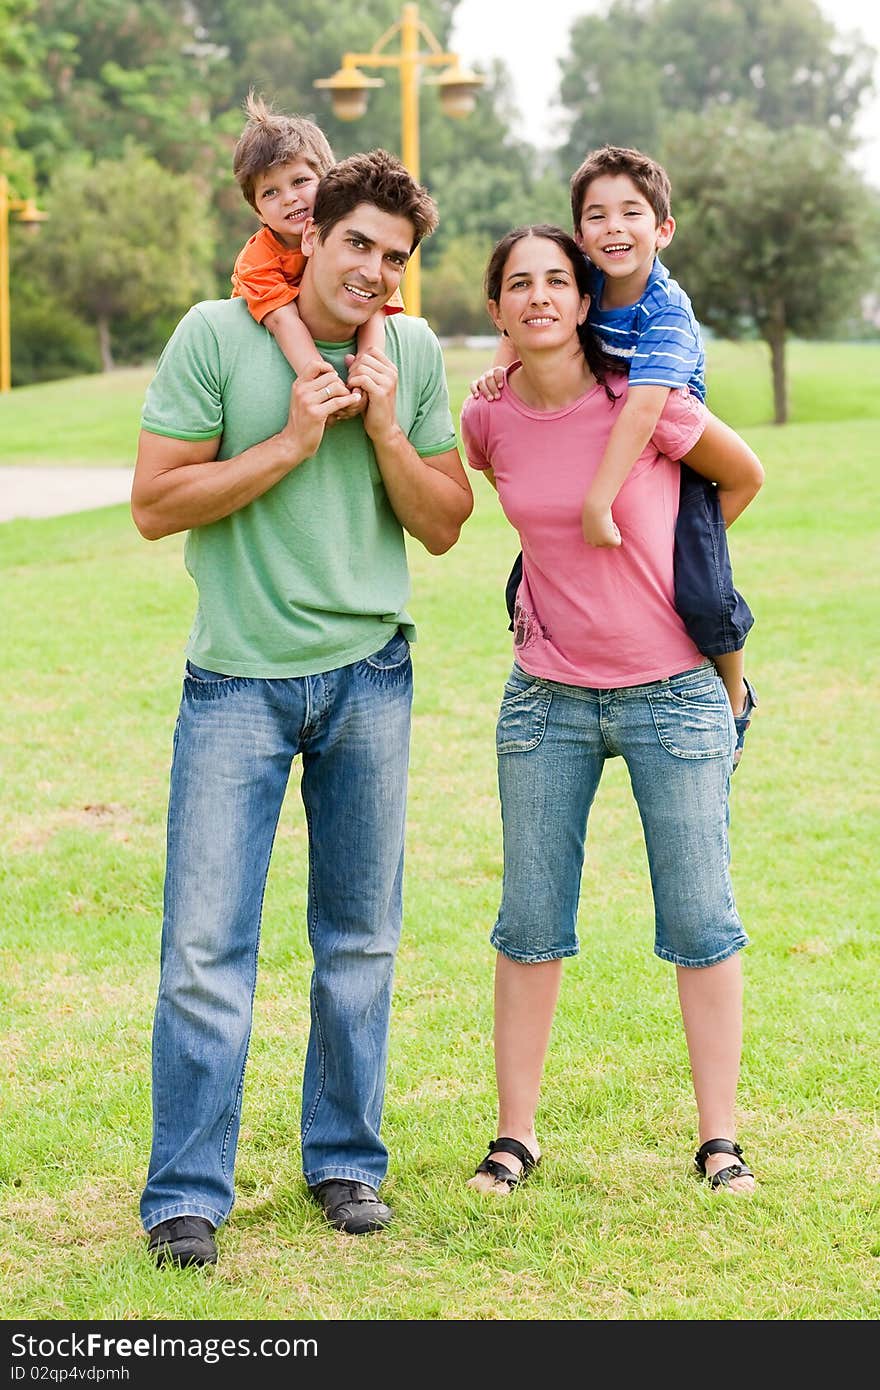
[313,574]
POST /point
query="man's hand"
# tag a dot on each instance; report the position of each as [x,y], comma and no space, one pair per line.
[375,375]
[599,528]
[490,384]
[316,398]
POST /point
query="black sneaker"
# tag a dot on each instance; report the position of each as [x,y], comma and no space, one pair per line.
[352,1206]
[182,1241]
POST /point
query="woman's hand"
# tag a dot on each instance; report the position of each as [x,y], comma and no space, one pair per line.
[490,384]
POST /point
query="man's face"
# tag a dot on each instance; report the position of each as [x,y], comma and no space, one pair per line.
[619,230]
[354,271]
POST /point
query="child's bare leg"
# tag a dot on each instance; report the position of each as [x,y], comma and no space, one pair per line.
[371,335]
[730,667]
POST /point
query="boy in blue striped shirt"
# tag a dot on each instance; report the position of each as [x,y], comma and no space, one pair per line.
[620,203]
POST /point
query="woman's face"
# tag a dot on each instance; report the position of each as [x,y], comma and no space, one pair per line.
[540,305]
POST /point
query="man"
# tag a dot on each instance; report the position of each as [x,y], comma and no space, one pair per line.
[300,645]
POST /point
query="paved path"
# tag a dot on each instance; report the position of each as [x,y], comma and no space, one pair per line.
[36,492]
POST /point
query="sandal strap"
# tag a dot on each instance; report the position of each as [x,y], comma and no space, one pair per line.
[504,1144]
[724,1176]
[715,1146]
[499,1172]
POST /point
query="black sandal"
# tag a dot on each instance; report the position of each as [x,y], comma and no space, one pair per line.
[499,1171]
[724,1176]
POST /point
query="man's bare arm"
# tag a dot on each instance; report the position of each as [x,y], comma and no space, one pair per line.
[179,484]
[431,497]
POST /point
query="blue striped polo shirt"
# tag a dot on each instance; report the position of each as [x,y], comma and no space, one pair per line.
[657,338]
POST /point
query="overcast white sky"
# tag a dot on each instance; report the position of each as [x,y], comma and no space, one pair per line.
[531,38]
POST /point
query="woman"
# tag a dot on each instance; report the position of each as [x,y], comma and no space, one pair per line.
[604,667]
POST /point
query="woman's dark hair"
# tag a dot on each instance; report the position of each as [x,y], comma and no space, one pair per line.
[597,361]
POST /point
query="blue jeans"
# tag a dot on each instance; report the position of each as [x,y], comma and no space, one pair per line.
[677,738]
[235,741]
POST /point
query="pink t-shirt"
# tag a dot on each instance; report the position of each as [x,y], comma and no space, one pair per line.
[588,616]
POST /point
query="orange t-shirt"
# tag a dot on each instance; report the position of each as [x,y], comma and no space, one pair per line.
[267,274]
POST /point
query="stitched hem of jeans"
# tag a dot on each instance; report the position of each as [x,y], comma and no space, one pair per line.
[701,964]
[339,1174]
[183,1209]
[534,960]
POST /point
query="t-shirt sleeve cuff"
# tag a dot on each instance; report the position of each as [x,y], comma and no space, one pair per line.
[681,424]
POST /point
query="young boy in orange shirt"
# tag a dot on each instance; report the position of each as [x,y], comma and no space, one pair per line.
[278,162]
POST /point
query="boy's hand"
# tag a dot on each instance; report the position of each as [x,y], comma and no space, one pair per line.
[490,384]
[599,528]
[375,375]
[360,401]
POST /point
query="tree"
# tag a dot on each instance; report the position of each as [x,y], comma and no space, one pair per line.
[22,84]
[453,297]
[125,239]
[630,73]
[772,231]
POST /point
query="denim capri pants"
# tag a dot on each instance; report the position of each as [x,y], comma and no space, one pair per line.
[677,738]
[716,615]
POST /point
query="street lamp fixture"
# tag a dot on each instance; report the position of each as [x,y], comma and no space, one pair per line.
[22,210]
[349,91]
[458,90]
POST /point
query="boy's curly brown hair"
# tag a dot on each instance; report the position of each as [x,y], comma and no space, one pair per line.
[270,138]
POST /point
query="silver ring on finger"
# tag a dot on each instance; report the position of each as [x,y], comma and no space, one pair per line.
[327,392]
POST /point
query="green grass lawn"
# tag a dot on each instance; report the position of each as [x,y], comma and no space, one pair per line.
[613,1226]
[93,420]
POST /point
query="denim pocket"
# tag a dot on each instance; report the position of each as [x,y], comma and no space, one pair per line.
[522,718]
[203,677]
[394,653]
[391,664]
[693,722]
[200,684]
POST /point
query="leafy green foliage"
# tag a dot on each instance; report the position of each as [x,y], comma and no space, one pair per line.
[85,81]
[123,236]
[22,84]
[632,71]
[49,340]
[773,230]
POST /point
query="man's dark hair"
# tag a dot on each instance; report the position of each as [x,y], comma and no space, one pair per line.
[377,178]
[596,359]
[649,177]
[269,139]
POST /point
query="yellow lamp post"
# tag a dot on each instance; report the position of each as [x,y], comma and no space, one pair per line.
[349,89]
[23,210]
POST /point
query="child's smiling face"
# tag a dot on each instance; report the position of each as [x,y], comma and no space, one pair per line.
[619,230]
[285,196]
